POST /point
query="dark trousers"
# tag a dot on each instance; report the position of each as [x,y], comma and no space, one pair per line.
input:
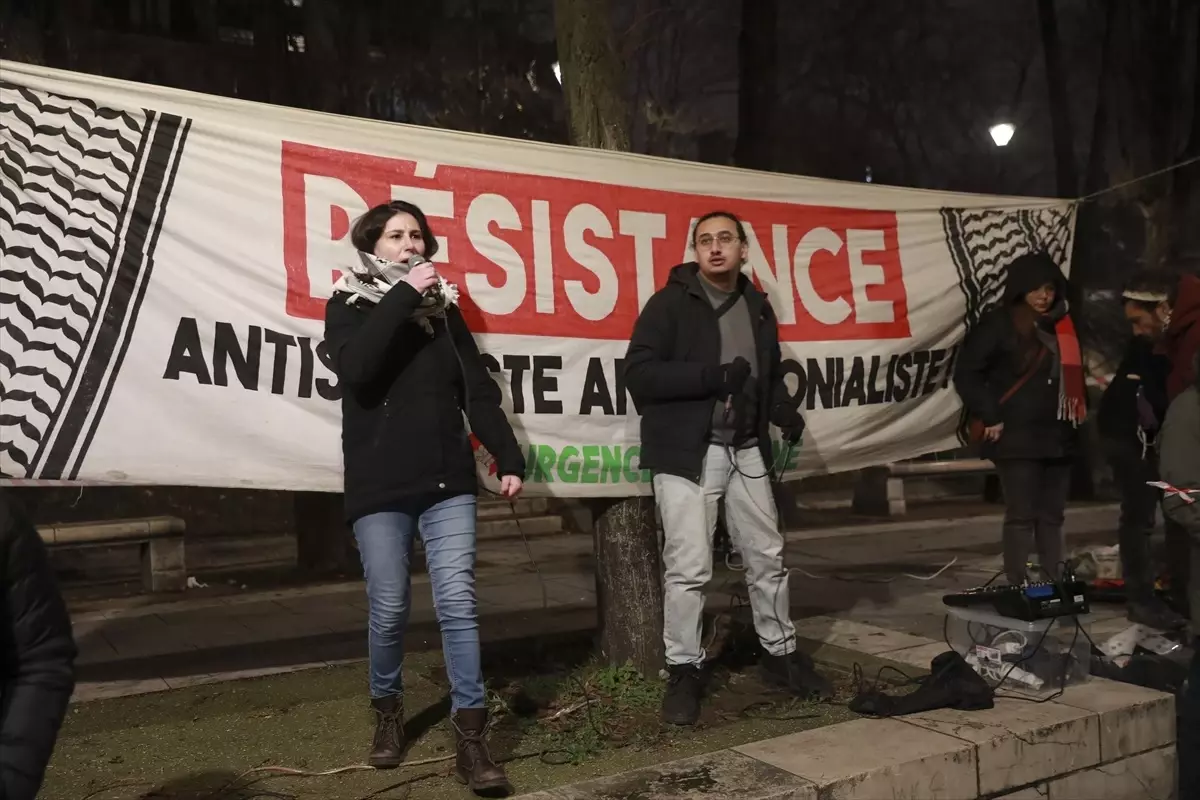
[1188,745]
[1139,504]
[1035,499]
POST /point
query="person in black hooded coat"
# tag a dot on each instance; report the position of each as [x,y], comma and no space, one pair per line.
[1027,435]
[37,655]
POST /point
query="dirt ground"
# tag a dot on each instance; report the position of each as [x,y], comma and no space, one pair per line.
[558,721]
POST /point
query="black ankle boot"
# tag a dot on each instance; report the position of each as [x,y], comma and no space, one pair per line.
[796,673]
[387,749]
[685,687]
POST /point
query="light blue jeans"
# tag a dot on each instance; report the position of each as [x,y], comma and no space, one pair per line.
[689,517]
[385,540]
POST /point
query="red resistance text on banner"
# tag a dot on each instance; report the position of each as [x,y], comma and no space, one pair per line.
[543,256]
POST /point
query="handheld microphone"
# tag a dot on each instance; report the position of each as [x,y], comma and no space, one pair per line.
[434,291]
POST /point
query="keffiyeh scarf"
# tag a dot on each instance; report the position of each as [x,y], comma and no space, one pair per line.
[370,277]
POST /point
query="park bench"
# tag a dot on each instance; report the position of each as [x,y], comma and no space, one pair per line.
[879,490]
[160,539]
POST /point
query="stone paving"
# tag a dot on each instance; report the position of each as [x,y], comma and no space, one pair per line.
[869,593]
[1099,741]
[142,644]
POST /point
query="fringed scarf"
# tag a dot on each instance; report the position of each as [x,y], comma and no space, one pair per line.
[370,277]
[1072,390]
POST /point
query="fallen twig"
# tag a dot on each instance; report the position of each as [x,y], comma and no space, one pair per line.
[569,710]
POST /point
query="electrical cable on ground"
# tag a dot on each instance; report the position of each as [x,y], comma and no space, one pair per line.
[852,579]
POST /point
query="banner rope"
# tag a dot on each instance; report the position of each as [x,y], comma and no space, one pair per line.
[1117,187]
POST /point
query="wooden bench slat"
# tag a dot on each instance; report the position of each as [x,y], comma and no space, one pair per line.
[955,467]
[114,530]
[880,490]
[160,539]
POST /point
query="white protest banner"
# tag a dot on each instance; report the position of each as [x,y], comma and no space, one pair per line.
[167,256]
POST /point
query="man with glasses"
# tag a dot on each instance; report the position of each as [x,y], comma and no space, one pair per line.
[703,367]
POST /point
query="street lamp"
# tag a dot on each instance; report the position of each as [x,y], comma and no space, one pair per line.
[557,70]
[1002,133]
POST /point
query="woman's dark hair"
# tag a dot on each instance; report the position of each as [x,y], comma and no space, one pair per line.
[1155,282]
[737,223]
[369,227]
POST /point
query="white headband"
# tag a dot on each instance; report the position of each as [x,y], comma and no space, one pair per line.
[1145,297]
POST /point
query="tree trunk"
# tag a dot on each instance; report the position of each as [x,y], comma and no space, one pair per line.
[362,78]
[1082,484]
[320,56]
[23,36]
[597,113]
[323,544]
[270,50]
[65,44]
[629,595]
[757,84]
[1060,109]
[1183,191]
[1095,171]
[207,28]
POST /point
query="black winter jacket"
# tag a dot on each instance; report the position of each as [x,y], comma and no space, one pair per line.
[676,337]
[37,655]
[990,364]
[404,393]
[1140,369]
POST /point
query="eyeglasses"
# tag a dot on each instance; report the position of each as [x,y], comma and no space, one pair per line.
[724,238]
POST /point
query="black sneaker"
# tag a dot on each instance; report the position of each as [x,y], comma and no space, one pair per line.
[796,673]
[1155,614]
[685,685]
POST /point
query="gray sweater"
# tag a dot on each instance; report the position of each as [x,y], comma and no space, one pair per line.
[1179,457]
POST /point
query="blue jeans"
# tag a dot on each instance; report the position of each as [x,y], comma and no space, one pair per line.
[447,527]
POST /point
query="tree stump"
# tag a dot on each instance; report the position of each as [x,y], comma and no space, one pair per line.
[629,591]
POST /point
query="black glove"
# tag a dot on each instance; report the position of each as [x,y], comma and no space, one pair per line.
[729,379]
[790,423]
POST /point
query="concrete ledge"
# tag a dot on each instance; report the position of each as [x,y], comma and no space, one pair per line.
[1100,740]
[1079,519]
[1019,743]
[723,775]
[1147,776]
[1016,751]
[1133,719]
[866,759]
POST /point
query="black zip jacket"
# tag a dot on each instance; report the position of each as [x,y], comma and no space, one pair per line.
[37,655]
[403,397]
[676,337]
[1140,369]
[990,364]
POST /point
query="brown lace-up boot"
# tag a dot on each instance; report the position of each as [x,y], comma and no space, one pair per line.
[387,749]
[474,765]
